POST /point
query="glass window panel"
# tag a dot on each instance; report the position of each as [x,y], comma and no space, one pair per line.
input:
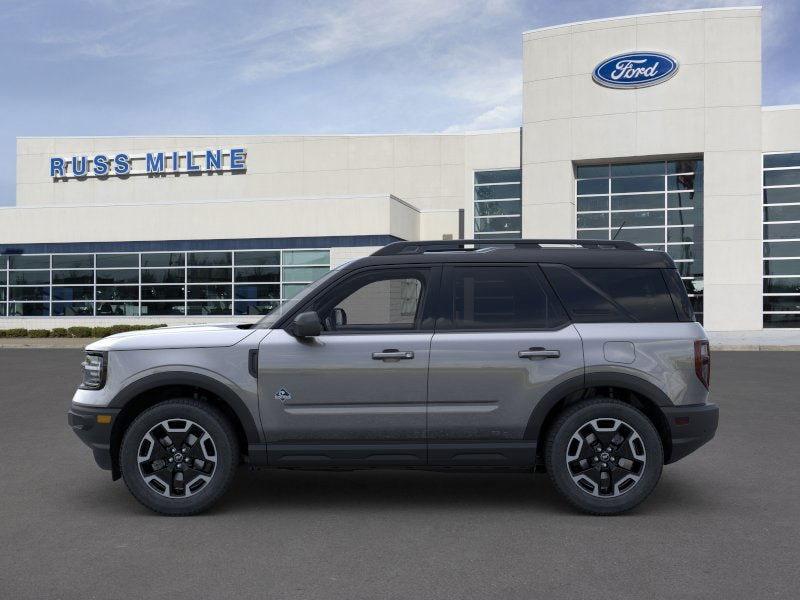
[266,257]
[637,184]
[209,259]
[782,285]
[70,292]
[29,293]
[787,177]
[681,251]
[684,166]
[257,273]
[163,276]
[73,309]
[506,175]
[640,201]
[684,199]
[593,203]
[292,289]
[117,292]
[681,182]
[28,309]
[782,267]
[681,217]
[782,231]
[499,236]
[118,309]
[779,249]
[256,292]
[163,259]
[118,276]
[253,307]
[307,274]
[782,303]
[28,261]
[592,186]
[3,262]
[593,234]
[113,261]
[776,321]
[782,213]
[791,159]
[306,257]
[593,220]
[782,195]
[29,277]
[209,275]
[508,207]
[585,171]
[162,292]
[647,168]
[498,224]
[208,308]
[637,219]
[584,303]
[73,261]
[162,308]
[209,292]
[3,309]
[2,277]
[680,234]
[642,292]
[2,294]
[73,277]
[641,236]
[492,192]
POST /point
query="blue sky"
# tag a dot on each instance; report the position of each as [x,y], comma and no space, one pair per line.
[104,67]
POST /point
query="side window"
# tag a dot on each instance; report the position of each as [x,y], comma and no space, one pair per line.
[584,302]
[499,297]
[378,301]
[642,292]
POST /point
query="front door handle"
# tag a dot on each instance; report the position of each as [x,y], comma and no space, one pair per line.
[538,353]
[392,354]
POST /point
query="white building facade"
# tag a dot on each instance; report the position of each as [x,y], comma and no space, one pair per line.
[188,229]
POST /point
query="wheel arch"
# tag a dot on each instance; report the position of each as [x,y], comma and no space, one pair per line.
[152,389]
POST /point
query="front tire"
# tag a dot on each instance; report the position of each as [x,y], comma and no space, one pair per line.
[604,456]
[179,457]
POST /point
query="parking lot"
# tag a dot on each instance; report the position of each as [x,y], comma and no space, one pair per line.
[723,523]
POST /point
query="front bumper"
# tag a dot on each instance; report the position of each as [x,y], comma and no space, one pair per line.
[97,435]
[690,427]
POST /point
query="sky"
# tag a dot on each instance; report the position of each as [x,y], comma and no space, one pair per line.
[171,67]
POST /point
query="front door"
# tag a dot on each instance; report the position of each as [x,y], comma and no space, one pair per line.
[502,342]
[355,394]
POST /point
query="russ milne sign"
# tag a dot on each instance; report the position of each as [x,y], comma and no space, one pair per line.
[151,163]
[635,70]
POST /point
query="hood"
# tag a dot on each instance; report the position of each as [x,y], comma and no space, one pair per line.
[190,336]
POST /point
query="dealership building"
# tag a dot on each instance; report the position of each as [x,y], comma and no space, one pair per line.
[646,128]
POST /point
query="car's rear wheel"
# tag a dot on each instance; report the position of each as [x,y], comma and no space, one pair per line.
[179,457]
[604,456]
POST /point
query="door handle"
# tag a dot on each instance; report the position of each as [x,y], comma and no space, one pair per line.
[392,354]
[538,354]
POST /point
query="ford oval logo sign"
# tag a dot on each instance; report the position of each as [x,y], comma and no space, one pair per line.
[635,70]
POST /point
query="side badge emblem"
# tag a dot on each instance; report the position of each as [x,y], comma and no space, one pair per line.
[282,395]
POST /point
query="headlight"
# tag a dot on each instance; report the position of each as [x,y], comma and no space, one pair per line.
[94,371]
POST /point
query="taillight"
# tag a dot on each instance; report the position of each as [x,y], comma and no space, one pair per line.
[702,362]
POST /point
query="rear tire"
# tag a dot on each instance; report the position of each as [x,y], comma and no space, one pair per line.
[604,456]
[179,457]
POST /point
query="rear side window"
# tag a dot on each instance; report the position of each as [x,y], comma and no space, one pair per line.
[679,298]
[585,302]
[499,297]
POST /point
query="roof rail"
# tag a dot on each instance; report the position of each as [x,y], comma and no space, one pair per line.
[421,247]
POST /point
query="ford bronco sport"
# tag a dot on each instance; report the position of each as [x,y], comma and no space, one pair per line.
[578,357]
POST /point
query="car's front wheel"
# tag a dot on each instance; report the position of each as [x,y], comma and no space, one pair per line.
[604,456]
[179,457]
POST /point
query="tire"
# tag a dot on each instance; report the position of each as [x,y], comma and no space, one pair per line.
[188,437]
[632,468]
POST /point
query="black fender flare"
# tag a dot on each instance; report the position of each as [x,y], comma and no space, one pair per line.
[590,380]
[190,378]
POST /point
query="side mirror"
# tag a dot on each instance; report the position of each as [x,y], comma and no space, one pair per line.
[306,325]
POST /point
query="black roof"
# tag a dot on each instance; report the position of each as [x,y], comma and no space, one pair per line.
[573,253]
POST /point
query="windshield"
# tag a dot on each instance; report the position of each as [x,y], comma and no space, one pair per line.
[288,306]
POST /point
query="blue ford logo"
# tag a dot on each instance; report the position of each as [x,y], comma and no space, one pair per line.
[635,70]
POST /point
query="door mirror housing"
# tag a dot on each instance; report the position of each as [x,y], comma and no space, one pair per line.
[306,325]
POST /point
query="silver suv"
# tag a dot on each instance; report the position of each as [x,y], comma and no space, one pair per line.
[579,357]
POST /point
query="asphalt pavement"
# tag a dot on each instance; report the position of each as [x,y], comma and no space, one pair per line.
[722,523]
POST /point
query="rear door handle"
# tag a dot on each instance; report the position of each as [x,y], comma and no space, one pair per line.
[392,354]
[538,353]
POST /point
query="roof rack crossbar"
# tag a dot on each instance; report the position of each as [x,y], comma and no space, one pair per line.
[420,247]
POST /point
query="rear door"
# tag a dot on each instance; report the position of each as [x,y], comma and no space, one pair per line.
[502,342]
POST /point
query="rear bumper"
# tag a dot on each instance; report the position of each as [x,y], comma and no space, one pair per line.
[83,421]
[690,427]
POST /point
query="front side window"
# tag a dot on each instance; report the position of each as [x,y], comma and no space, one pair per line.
[499,298]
